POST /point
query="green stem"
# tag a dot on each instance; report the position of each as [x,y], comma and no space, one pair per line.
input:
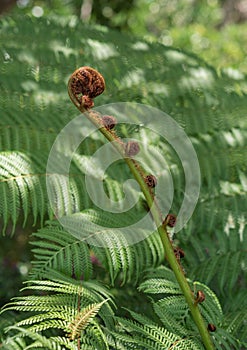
[172,260]
[167,244]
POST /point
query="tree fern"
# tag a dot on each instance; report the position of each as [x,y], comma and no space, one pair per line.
[210,107]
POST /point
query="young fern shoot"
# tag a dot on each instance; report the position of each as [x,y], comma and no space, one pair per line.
[84,85]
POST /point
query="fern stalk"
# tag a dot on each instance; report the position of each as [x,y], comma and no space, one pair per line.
[85,84]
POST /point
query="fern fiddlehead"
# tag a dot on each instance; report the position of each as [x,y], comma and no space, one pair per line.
[84,85]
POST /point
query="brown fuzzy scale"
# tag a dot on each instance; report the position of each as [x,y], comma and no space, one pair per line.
[179,253]
[170,220]
[131,148]
[211,327]
[86,81]
[109,121]
[151,181]
[200,297]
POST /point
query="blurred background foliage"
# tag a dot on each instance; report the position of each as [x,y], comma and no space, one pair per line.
[216,30]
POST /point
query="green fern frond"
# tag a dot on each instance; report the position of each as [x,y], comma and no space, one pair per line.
[39,341]
[235,324]
[94,335]
[224,264]
[23,188]
[172,310]
[120,340]
[224,340]
[68,308]
[64,303]
[211,308]
[57,249]
[174,301]
[160,280]
[150,336]
[17,343]
[158,286]
[166,317]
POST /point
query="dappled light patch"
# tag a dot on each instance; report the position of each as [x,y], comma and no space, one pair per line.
[102,51]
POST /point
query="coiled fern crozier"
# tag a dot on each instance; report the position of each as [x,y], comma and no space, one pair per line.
[189,293]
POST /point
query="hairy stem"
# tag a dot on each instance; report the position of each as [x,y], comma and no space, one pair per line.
[155,211]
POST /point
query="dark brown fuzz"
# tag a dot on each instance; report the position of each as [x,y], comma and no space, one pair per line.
[131,148]
[87,102]
[151,181]
[109,121]
[211,327]
[170,220]
[179,253]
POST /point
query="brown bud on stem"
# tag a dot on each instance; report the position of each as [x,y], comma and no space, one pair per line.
[151,181]
[131,148]
[211,327]
[200,297]
[109,121]
[170,220]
